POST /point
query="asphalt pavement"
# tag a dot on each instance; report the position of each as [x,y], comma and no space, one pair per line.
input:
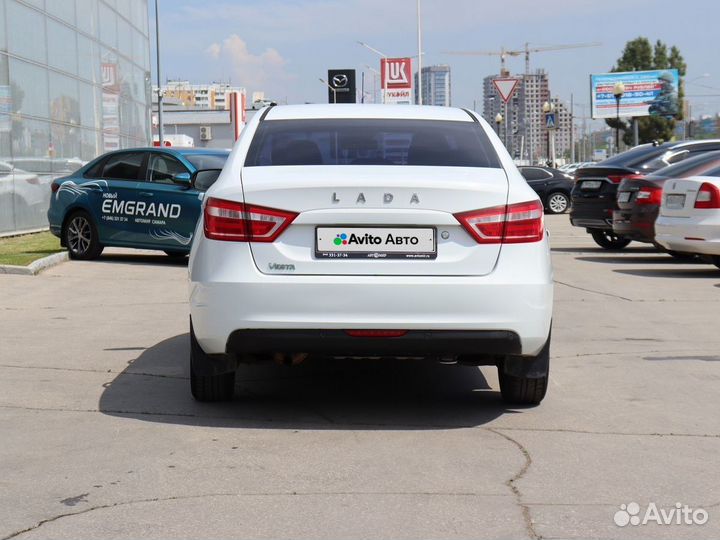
[100,438]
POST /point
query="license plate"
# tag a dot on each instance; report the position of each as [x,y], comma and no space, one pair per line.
[624,196]
[675,202]
[591,184]
[375,243]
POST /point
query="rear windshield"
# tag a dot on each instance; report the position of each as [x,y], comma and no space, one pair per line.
[207,161]
[635,157]
[689,167]
[371,142]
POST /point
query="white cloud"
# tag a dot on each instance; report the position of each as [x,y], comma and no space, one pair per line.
[263,71]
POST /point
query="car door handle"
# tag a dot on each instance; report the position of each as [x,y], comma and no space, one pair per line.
[146,194]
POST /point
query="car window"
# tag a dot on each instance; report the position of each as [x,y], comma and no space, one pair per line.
[124,166]
[533,173]
[207,161]
[95,170]
[161,169]
[371,142]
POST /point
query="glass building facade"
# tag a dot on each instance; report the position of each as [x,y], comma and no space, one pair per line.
[74,83]
[435,85]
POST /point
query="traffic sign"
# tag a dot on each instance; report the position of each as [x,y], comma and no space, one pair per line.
[550,122]
[506,87]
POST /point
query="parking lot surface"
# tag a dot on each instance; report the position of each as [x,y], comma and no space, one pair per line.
[101,438]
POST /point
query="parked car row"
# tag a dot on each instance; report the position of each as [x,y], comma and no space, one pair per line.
[660,194]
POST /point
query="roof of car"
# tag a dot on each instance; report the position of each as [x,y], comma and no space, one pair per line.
[409,112]
[172,149]
[190,151]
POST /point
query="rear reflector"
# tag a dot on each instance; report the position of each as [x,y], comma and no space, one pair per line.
[376,333]
[54,187]
[649,195]
[511,224]
[708,196]
[237,222]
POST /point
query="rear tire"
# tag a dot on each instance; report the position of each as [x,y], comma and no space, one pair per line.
[517,389]
[80,236]
[219,387]
[558,202]
[609,240]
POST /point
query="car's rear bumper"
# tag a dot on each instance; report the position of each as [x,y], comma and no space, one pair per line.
[637,223]
[697,234]
[591,215]
[592,211]
[229,295]
[340,343]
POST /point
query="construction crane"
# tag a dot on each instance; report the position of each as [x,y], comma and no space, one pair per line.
[503,54]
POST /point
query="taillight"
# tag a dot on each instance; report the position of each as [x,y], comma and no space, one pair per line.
[649,195]
[54,187]
[238,222]
[376,333]
[511,224]
[708,196]
[617,178]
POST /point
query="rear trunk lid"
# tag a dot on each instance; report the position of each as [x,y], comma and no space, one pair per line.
[599,182]
[679,197]
[361,219]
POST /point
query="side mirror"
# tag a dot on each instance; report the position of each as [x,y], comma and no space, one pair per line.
[203,179]
[183,178]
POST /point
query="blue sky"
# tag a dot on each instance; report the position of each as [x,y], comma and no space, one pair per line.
[283,46]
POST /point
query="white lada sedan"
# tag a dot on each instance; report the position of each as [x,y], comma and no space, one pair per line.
[369,231]
[689,219]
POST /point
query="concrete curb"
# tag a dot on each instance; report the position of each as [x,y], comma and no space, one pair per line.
[35,267]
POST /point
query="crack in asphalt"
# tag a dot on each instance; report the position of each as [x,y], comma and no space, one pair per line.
[629,353]
[512,484]
[310,424]
[251,494]
[85,306]
[107,371]
[595,292]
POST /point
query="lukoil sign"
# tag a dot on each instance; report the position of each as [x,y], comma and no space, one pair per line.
[396,80]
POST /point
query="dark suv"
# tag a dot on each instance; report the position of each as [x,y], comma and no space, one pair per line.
[595,191]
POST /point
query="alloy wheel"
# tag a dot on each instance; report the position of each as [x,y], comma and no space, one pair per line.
[558,203]
[79,235]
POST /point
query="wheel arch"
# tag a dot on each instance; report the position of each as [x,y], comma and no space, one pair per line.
[73,209]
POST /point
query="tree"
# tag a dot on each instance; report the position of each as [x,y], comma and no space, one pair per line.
[640,55]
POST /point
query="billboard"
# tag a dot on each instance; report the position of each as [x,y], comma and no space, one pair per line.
[396,80]
[646,93]
[342,86]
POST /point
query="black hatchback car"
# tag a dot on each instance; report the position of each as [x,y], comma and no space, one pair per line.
[553,187]
[595,191]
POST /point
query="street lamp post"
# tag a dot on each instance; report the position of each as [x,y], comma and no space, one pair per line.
[618,91]
[334,91]
[419,39]
[548,108]
[161,134]
[498,121]
[382,55]
[375,73]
